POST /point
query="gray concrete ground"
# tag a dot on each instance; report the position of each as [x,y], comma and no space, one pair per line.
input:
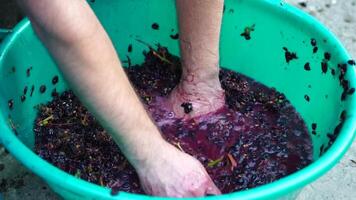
[338,184]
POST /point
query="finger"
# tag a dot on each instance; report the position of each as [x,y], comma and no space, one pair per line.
[212,189]
[198,191]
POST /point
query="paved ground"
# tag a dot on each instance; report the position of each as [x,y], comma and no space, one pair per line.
[338,184]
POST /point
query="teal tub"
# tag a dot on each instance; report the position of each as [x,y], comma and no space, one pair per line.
[277,25]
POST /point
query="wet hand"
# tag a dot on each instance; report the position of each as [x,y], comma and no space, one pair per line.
[175,174]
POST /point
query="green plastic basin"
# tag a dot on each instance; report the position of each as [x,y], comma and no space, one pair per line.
[277,25]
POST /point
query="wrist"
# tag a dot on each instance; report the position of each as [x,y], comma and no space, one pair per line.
[158,156]
[145,148]
[196,80]
[200,73]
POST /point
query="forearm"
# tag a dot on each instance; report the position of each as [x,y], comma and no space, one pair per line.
[200,24]
[84,53]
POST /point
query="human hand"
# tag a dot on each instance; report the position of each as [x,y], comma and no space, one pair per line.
[175,174]
[197,96]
